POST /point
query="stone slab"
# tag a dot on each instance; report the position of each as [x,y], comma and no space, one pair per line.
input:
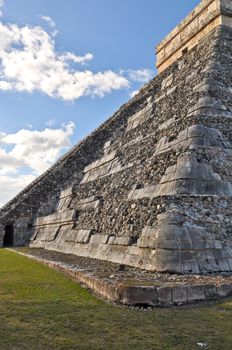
[138,295]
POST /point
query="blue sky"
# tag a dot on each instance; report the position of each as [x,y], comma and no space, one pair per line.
[65,67]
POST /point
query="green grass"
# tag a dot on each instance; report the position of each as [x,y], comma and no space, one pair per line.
[42,309]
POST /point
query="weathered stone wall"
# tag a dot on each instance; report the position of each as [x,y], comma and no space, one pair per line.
[156,193]
[41,196]
[152,186]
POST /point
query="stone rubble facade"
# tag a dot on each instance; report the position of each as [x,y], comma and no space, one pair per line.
[152,186]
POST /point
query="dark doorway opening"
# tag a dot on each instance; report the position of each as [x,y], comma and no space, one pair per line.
[8,240]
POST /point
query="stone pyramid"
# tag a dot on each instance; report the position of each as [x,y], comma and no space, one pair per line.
[151,187]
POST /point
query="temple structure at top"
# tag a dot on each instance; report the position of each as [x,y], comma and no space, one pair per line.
[208,15]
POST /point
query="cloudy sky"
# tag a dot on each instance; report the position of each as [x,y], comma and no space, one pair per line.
[65,67]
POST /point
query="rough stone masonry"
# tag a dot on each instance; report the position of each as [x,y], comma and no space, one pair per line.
[151,187]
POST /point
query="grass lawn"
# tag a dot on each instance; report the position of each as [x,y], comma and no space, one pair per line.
[42,309]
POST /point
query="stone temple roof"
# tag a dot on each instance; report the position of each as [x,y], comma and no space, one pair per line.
[208,15]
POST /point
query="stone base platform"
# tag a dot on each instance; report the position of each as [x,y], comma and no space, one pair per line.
[130,286]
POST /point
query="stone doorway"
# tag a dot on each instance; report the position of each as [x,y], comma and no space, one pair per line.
[8,240]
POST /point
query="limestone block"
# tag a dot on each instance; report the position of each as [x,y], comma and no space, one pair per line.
[200,237]
[139,296]
[57,217]
[68,192]
[107,147]
[192,177]
[195,293]
[179,295]
[211,291]
[116,167]
[85,178]
[207,261]
[107,158]
[190,266]
[124,241]
[191,77]
[189,169]
[164,295]
[183,136]
[166,124]
[147,192]
[171,170]
[146,242]
[91,175]
[230,262]
[167,81]
[171,90]
[108,165]
[224,265]
[111,240]
[224,290]
[165,236]
[139,118]
[170,237]
[46,234]
[89,203]
[195,135]
[171,217]
[198,131]
[149,231]
[79,236]
[35,233]
[160,98]
[167,260]
[148,237]
[60,204]
[63,232]
[104,169]
[64,203]
[87,200]
[99,239]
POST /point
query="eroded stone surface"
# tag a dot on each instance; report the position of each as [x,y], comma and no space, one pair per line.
[151,187]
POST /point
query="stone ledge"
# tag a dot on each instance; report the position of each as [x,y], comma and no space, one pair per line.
[62,216]
[155,296]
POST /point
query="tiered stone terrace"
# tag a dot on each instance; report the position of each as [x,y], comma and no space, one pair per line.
[151,187]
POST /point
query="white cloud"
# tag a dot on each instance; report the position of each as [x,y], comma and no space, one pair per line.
[140,75]
[68,56]
[29,62]
[51,24]
[49,20]
[32,149]
[27,153]
[4,85]
[11,185]
[1,6]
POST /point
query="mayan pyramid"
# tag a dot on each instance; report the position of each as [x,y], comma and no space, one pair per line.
[151,187]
